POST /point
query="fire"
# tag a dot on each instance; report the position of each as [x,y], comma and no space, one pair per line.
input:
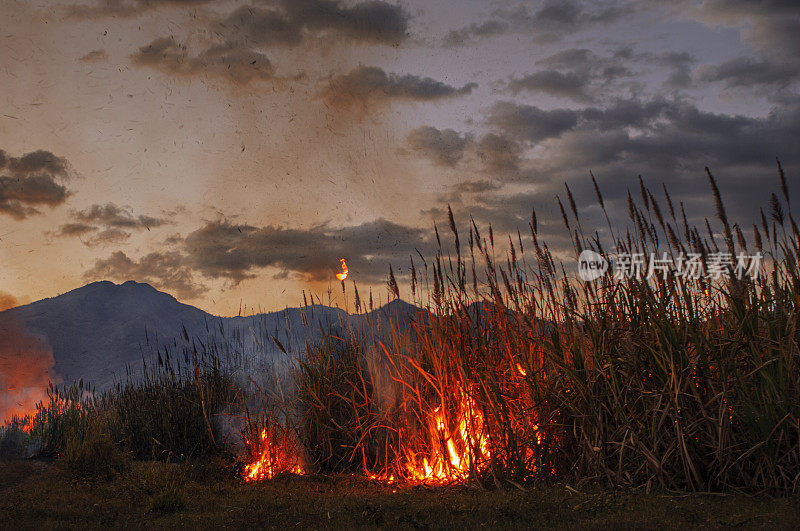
[26,368]
[275,458]
[451,454]
[343,275]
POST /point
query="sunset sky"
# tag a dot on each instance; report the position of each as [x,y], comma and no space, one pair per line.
[231,152]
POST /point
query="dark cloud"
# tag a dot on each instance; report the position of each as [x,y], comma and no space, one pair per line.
[772,26]
[75,229]
[112,215]
[499,153]
[222,61]
[577,74]
[556,18]
[289,22]
[258,26]
[574,58]
[107,224]
[164,270]
[444,147]
[673,140]
[747,72]
[371,21]
[107,237]
[478,187]
[571,85]
[660,139]
[680,64]
[32,181]
[369,84]
[550,20]
[558,12]
[529,123]
[476,30]
[237,252]
[624,113]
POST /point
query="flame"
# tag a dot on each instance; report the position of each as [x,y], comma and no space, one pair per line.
[26,368]
[276,457]
[343,275]
[521,370]
[449,454]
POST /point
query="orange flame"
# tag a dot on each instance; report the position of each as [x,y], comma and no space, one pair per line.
[276,457]
[343,275]
[448,455]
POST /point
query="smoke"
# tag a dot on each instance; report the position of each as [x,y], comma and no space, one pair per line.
[26,368]
[7,301]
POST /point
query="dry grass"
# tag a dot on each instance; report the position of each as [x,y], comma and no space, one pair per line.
[157,495]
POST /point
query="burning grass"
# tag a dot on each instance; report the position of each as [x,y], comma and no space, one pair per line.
[513,374]
[519,374]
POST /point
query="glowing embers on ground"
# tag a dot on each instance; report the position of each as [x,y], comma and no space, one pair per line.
[278,454]
[343,275]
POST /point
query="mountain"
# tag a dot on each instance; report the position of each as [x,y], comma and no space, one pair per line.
[97,331]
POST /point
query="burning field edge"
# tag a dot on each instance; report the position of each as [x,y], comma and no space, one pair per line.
[505,374]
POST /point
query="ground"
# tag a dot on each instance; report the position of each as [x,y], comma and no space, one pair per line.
[41,495]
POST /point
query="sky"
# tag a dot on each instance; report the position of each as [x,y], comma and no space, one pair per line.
[231,152]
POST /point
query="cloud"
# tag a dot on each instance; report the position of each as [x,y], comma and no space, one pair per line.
[290,22]
[443,147]
[660,139]
[220,61]
[556,18]
[476,30]
[772,26]
[125,8]
[164,270]
[529,123]
[371,21]
[577,74]
[112,215]
[106,237]
[747,72]
[369,84]
[32,181]
[553,82]
[549,21]
[107,224]
[237,252]
[499,153]
[258,26]
[75,229]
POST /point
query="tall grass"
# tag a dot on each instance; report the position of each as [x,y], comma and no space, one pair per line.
[164,413]
[678,383]
[513,371]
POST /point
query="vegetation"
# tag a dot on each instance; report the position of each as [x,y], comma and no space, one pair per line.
[34,494]
[515,375]
[520,374]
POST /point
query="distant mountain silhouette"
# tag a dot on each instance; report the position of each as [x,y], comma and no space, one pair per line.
[98,330]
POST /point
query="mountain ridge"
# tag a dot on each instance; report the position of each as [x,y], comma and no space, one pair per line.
[97,331]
